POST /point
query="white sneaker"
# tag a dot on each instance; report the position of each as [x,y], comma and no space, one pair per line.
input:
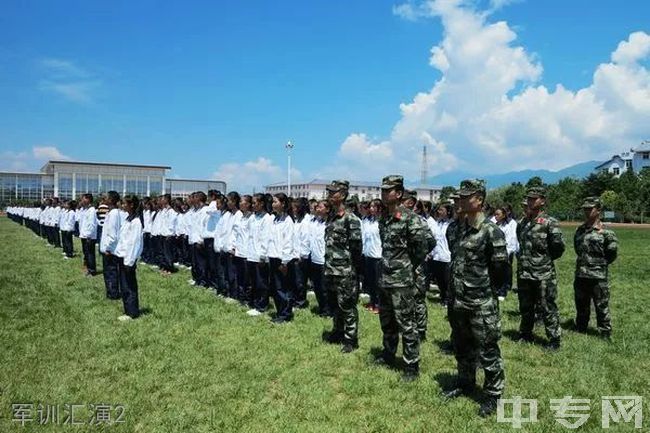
[311,293]
[230,300]
[191,282]
[364,297]
[253,312]
[124,318]
[177,264]
[502,298]
[66,258]
[220,296]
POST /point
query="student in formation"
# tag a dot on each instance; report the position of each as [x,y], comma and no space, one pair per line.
[299,265]
[257,258]
[198,216]
[317,254]
[504,219]
[231,217]
[441,256]
[241,231]
[147,215]
[108,243]
[67,227]
[88,233]
[372,253]
[128,250]
[280,252]
[168,233]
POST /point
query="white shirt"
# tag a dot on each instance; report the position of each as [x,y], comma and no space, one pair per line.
[88,223]
[317,241]
[441,252]
[196,221]
[301,238]
[371,240]
[281,240]
[146,216]
[260,233]
[67,220]
[228,242]
[509,229]
[168,223]
[213,215]
[221,232]
[241,228]
[110,231]
[129,244]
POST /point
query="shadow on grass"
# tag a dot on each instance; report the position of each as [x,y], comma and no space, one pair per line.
[449,381]
[569,325]
[444,346]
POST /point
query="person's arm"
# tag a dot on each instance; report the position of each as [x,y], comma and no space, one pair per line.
[555,240]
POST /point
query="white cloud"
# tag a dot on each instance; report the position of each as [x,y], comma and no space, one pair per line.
[487,112]
[29,161]
[48,153]
[253,175]
[66,79]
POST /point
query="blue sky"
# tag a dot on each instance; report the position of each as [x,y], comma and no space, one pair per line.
[216,88]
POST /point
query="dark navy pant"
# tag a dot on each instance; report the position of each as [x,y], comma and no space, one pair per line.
[259,274]
[281,290]
[129,289]
[111,275]
[88,247]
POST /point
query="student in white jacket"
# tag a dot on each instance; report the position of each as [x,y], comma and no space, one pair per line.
[299,265]
[195,219]
[257,255]
[372,254]
[504,220]
[128,249]
[219,238]
[280,254]
[440,257]
[241,231]
[67,222]
[317,254]
[108,243]
[231,217]
[88,233]
[147,215]
[168,235]
[211,216]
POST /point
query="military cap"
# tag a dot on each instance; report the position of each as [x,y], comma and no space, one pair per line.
[592,202]
[392,181]
[352,200]
[524,203]
[471,187]
[454,195]
[536,191]
[410,193]
[338,185]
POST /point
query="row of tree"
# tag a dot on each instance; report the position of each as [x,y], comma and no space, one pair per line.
[627,196]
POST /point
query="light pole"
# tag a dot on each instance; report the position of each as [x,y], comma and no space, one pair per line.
[288,146]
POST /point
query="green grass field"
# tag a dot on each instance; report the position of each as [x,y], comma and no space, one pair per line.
[197,364]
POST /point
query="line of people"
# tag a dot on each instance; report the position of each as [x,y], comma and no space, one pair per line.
[250,249]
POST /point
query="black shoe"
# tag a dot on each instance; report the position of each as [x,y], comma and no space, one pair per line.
[524,338]
[349,347]
[552,345]
[423,336]
[385,360]
[457,392]
[334,338]
[488,406]
[411,372]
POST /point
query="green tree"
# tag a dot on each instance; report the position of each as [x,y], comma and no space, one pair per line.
[534,181]
[563,198]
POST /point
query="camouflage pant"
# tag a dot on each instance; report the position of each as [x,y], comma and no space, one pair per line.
[346,315]
[545,292]
[476,332]
[397,316]
[586,290]
[421,313]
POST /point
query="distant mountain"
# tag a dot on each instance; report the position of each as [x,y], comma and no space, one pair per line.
[496,180]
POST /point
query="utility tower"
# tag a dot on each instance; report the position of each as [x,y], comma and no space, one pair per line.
[424,169]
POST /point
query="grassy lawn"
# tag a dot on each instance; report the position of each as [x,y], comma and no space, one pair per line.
[197,364]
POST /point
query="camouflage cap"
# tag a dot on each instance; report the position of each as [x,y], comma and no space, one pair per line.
[392,181]
[471,187]
[536,191]
[410,193]
[453,195]
[338,185]
[524,203]
[591,202]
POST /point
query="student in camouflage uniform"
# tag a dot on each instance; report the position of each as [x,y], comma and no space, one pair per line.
[479,264]
[403,250]
[342,258]
[540,243]
[419,273]
[596,248]
[453,230]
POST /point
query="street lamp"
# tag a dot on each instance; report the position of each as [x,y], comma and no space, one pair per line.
[288,146]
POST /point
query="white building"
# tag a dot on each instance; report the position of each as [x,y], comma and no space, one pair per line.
[635,159]
[364,190]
